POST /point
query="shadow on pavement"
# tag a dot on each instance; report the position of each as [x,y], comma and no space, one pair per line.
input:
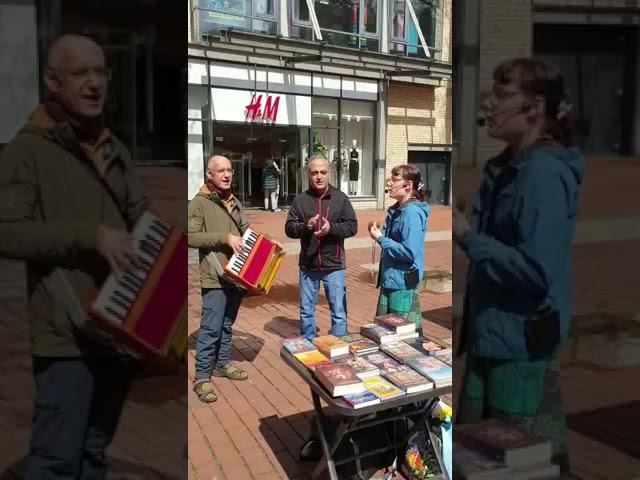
[244,346]
[441,316]
[285,443]
[619,431]
[118,469]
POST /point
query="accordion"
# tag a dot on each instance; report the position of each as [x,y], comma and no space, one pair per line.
[255,268]
[145,308]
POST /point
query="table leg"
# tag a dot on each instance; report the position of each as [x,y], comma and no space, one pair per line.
[327,460]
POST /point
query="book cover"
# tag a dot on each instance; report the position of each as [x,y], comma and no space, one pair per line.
[425,345]
[504,442]
[407,379]
[445,356]
[350,338]
[382,388]
[312,359]
[395,323]
[363,346]
[331,346]
[359,365]
[380,360]
[298,345]
[400,351]
[433,369]
[378,333]
[339,379]
[361,400]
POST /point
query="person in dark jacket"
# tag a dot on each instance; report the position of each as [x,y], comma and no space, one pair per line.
[321,217]
[518,241]
[69,199]
[270,179]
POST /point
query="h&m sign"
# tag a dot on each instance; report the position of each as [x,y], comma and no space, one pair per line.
[256,111]
[250,106]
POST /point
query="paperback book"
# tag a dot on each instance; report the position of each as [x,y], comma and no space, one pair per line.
[339,379]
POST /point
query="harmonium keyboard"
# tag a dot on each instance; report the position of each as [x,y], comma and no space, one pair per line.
[255,267]
[145,308]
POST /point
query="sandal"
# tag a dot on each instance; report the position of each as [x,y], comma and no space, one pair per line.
[204,391]
[230,371]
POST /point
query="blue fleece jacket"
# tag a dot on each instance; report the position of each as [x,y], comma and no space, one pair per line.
[519,247]
[402,243]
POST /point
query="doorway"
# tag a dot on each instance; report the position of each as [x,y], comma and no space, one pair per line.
[249,147]
[435,170]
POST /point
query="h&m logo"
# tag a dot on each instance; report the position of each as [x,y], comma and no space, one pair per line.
[254,110]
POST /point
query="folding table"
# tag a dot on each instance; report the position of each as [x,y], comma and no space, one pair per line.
[418,405]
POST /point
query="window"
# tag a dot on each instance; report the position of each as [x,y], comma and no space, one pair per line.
[346,23]
[357,129]
[258,16]
[403,34]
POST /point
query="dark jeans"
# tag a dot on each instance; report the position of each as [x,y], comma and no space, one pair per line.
[219,311]
[77,408]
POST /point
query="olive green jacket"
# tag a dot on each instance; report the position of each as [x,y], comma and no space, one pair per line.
[52,200]
[209,225]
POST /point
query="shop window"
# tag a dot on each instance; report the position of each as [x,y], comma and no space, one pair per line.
[258,16]
[403,33]
[357,128]
[346,23]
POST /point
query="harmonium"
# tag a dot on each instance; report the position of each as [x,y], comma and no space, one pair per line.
[145,308]
[256,266]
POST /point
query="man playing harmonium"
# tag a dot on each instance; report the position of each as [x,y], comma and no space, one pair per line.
[216,225]
[68,202]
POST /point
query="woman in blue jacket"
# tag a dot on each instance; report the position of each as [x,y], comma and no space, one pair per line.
[518,241]
[402,241]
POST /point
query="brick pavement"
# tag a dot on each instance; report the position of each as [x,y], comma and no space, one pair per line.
[256,427]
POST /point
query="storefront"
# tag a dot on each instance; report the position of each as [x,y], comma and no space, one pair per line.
[253,115]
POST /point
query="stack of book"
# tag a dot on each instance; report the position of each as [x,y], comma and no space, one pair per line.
[433,369]
[493,449]
[331,346]
[305,352]
[359,345]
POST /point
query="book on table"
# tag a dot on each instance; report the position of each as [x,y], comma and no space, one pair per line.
[359,365]
[312,359]
[378,333]
[504,442]
[381,388]
[298,345]
[401,351]
[407,379]
[331,346]
[381,360]
[361,400]
[339,379]
[425,345]
[445,356]
[433,369]
[359,345]
[395,323]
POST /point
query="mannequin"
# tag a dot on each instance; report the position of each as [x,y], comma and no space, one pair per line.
[354,168]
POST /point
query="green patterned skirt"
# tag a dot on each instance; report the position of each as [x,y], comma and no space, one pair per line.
[526,393]
[405,303]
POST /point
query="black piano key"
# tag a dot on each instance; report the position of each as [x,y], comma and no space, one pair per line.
[118,302]
[112,311]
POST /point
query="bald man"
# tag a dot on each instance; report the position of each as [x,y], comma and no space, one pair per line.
[68,201]
[215,226]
